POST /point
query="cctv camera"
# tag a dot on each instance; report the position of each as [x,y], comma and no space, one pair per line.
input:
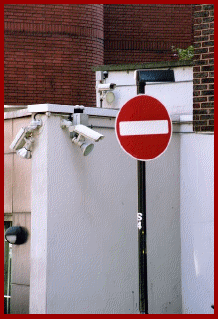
[79,133]
[85,132]
[24,132]
[19,140]
[105,74]
[16,235]
[106,87]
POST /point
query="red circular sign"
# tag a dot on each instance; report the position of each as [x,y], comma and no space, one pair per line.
[143,127]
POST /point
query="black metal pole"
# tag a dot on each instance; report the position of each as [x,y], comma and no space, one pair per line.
[142,247]
[142,77]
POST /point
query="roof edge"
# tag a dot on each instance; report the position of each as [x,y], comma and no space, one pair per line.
[136,66]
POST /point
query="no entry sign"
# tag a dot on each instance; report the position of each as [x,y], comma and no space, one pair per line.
[143,127]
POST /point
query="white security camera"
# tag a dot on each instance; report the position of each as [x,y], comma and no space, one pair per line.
[24,132]
[24,140]
[79,133]
[106,87]
[19,140]
[86,132]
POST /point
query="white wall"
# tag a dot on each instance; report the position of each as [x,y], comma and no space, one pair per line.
[195,181]
[163,231]
[176,96]
[163,187]
[197,222]
[84,256]
[84,249]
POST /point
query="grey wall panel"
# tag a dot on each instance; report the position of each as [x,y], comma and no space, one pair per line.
[21,253]
[163,231]
[19,299]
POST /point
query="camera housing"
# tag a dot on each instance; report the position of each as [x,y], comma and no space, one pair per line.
[19,140]
[16,235]
[106,87]
[23,134]
[23,140]
[79,133]
[85,131]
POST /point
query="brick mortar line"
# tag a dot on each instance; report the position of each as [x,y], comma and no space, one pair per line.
[54,29]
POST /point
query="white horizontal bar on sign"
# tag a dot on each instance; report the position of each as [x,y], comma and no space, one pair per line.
[143,127]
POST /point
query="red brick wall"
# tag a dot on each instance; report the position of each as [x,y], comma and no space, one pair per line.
[145,32]
[49,52]
[50,49]
[203,67]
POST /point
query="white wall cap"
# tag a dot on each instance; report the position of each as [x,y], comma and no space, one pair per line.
[53,108]
[57,108]
[11,108]
[100,112]
[186,118]
[16,114]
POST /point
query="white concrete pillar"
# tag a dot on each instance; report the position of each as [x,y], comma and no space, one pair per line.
[84,256]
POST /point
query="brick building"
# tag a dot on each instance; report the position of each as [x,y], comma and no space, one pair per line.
[145,32]
[203,71]
[50,49]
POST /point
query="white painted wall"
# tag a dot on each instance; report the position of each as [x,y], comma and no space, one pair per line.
[163,231]
[84,249]
[196,194]
[84,256]
[197,222]
[176,96]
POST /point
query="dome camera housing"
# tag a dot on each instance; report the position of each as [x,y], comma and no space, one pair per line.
[16,235]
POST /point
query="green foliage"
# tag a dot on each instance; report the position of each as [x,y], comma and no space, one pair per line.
[184,54]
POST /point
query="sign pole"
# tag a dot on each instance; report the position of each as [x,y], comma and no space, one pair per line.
[143,128]
[142,240]
[143,293]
